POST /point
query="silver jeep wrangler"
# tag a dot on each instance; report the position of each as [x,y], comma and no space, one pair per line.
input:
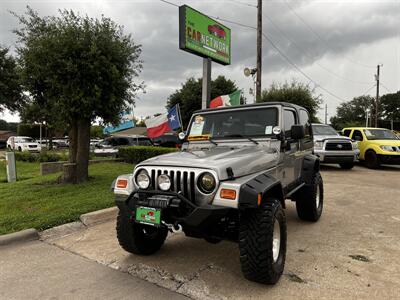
[230,181]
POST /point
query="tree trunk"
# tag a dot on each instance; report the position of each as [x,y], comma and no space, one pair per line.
[70,170]
[82,151]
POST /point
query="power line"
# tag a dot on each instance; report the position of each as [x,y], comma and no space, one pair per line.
[170,3]
[277,49]
[385,87]
[366,92]
[321,38]
[310,56]
[243,3]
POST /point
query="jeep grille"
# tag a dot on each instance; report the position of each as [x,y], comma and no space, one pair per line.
[183,180]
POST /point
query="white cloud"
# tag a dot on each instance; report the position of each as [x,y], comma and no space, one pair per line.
[355,31]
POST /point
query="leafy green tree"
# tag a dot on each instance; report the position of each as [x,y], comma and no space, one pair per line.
[296,93]
[96,131]
[390,106]
[11,96]
[353,113]
[79,68]
[189,95]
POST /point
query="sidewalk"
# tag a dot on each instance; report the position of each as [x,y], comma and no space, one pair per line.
[37,270]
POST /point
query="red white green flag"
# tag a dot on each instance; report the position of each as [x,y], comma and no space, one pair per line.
[226,100]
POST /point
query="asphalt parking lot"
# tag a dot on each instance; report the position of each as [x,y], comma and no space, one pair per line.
[352,252]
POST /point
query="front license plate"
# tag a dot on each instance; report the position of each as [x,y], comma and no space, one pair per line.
[148,215]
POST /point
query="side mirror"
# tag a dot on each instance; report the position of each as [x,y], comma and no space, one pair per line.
[182,135]
[297,132]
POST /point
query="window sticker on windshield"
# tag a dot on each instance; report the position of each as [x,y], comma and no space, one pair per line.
[197,126]
[268,129]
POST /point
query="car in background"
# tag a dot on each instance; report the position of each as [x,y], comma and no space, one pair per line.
[332,148]
[60,143]
[167,140]
[23,143]
[377,145]
[109,146]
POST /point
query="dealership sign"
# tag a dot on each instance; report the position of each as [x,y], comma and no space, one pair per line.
[203,36]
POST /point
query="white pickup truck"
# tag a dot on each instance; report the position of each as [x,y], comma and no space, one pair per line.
[23,143]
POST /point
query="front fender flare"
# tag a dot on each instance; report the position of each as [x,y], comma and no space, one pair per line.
[311,165]
[264,185]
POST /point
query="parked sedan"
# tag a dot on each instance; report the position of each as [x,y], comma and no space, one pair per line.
[23,143]
[332,148]
[109,146]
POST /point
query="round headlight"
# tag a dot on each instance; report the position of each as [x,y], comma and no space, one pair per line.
[143,180]
[164,182]
[206,183]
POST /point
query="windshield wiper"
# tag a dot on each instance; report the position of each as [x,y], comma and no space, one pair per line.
[212,141]
[242,136]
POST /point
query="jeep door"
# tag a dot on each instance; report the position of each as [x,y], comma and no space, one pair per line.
[290,149]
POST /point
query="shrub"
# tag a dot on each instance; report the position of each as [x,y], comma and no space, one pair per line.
[136,154]
[44,156]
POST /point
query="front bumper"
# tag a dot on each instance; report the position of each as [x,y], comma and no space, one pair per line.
[176,209]
[389,159]
[336,157]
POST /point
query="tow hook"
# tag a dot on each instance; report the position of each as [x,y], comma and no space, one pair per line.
[174,228]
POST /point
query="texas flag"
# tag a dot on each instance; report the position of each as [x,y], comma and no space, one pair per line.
[226,100]
[161,124]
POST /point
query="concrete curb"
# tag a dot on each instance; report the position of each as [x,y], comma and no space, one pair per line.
[99,216]
[20,236]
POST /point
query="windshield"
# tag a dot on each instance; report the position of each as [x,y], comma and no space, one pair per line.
[235,123]
[323,130]
[26,140]
[380,134]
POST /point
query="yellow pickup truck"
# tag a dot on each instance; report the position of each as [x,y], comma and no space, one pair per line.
[377,145]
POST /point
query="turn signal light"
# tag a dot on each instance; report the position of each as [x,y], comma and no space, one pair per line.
[122,183]
[228,194]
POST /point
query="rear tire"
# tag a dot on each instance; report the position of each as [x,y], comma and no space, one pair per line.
[310,200]
[347,166]
[138,238]
[371,160]
[262,242]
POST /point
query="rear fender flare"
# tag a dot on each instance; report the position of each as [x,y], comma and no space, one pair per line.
[311,165]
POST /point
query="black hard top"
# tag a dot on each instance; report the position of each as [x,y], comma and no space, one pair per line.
[255,105]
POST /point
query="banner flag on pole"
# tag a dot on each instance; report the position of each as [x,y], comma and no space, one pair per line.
[226,100]
[157,126]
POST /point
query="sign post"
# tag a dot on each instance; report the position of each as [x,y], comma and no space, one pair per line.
[203,36]
[11,169]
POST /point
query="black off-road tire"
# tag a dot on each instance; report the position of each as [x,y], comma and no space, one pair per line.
[372,160]
[137,238]
[307,206]
[256,235]
[347,166]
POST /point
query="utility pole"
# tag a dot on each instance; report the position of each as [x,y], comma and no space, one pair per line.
[326,113]
[259,49]
[377,95]
[206,83]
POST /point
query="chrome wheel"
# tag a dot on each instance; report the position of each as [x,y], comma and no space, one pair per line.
[317,197]
[276,241]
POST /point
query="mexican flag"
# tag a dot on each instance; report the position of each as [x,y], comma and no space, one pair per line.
[226,100]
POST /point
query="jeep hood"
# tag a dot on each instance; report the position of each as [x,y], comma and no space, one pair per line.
[243,161]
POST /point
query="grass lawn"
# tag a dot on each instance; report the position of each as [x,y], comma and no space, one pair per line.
[36,201]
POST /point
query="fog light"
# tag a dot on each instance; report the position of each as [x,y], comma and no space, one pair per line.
[143,180]
[164,182]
